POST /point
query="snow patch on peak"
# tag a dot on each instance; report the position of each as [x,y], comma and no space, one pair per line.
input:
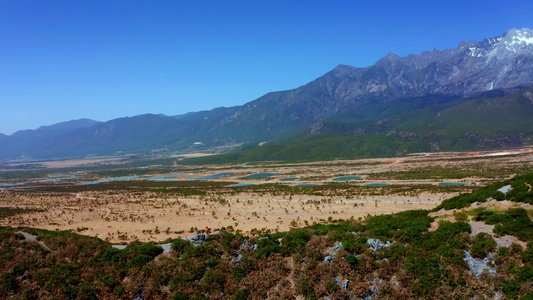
[474,52]
[514,42]
[519,36]
[519,32]
[523,39]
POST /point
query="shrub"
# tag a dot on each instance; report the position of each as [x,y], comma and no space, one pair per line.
[119,290]
[527,256]
[353,261]
[295,240]
[482,245]
[179,295]
[107,256]
[266,247]
[238,273]
[502,253]
[515,222]
[354,244]
[149,249]
[306,289]
[63,275]
[447,234]
[241,295]
[9,283]
[139,260]
[89,290]
[510,288]
[460,216]
[214,279]
[180,245]
[525,273]
[332,286]
[404,226]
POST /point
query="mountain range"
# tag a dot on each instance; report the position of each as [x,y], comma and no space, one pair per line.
[475,96]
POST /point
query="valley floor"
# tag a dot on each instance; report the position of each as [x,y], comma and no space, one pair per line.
[138,209]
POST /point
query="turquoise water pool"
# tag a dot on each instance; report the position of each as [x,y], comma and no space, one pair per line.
[63,178]
[112,179]
[346,178]
[259,175]
[290,179]
[376,184]
[452,183]
[9,185]
[211,176]
[163,177]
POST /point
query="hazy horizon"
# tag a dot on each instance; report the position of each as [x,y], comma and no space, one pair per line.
[102,60]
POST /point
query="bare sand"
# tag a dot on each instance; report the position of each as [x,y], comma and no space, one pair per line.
[127,217]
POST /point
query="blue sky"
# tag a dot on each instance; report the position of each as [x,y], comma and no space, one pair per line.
[65,60]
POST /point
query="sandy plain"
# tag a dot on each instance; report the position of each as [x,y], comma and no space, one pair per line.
[122,216]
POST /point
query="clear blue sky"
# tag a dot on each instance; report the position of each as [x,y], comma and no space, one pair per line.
[64,60]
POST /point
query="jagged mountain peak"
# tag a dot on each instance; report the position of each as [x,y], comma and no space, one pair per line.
[511,43]
[516,40]
[523,35]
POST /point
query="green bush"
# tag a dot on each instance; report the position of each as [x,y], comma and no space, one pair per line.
[482,245]
[149,249]
[180,245]
[502,253]
[295,240]
[306,289]
[446,234]
[354,244]
[525,273]
[511,288]
[527,256]
[63,275]
[514,222]
[460,216]
[353,261]
[241,295]
[332,286]
[139,260]
[214,279]
[89,290]
[266,247]
[119,290]
[395,252]
[404,226]
[238,273]
[179,295]
[9,283]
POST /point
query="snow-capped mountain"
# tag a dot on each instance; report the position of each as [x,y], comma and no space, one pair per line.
[516,41]
[502,62]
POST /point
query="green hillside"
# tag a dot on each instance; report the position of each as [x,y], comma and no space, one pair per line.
[441,125]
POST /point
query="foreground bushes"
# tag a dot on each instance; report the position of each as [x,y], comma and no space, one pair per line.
[322,260]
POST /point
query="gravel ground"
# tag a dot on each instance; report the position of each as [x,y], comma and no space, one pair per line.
[502,241]
[29,237]
[166,247]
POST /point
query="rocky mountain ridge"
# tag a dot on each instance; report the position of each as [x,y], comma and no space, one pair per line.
[495,64]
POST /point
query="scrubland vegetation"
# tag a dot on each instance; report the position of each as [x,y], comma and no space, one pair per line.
[420,254]
[387,256]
